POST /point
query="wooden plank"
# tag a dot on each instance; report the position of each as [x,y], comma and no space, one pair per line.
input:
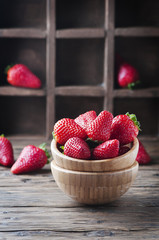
[82,219]
[108,77]
[81,33]
[137,32]
[141,93]
[80,91]
[50,67]
[23,33]
[15,91]
[93,235]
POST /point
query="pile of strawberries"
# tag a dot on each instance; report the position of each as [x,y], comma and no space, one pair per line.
[96,137]
[87,137]
[31,158]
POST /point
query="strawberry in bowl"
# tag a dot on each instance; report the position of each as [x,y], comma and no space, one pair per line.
[94,160]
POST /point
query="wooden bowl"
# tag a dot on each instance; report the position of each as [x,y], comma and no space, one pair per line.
[94,187]
[113,164]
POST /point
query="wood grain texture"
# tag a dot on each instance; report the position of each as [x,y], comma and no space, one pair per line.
[106,165]
[94,91]
[33,207]
[50,66]
[137,32]
[138,93]
[94,188]
[23,33]
[15,91]
[81,33]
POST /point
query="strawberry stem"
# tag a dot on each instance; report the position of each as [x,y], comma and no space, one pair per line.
[2,135]
[43,147]
[7,68]
[134,119]
[133,85]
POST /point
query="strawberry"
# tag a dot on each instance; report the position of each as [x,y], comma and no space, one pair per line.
[6,152]
[128,76]
[77,148]
[31,159]
[108,149]
[123,150]
[125,128]
[20,76]
[67,128]
[85,119]
[99,129]
[142,156]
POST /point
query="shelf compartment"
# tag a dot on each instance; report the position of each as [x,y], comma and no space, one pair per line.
[136,13]
[81,33]
[23,14]
[71,107]
[80,91]
[23,115]
[79,62]
[137,32]
[138,93]
[16,91]
[23,33]
[79,14]
[146,110]
[31,52]
[143,54]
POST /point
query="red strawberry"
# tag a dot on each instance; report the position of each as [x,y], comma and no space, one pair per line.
[30,159]
[6,152]
[20,76]
[123,149]
[125,128]
[85,119]
[127,76]
[99,129]
[77,148]
[67,128]
[142,156]
[108,149]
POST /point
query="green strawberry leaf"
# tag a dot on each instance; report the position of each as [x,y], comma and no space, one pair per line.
[2,135]
[62,148]
[92,143]
[7,68]
[43,147]
[133,85]
[134,119]
[53,134]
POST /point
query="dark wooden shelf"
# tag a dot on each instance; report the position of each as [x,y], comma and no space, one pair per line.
[81,33]
[15,91]
[95,91]
[23,33]
[137,93]
[137,32]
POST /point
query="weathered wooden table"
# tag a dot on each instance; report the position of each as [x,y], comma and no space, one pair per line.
[33,207]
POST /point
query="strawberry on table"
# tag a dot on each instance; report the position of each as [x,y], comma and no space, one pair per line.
[85,119]
[125,128]
[142,157]
[100,128]
[6,152]
[108,149]
[20,76]
[128,76]
[77,148]
[66,128]
[31,158]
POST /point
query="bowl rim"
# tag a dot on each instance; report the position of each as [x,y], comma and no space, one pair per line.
[68,171]
[54,148]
